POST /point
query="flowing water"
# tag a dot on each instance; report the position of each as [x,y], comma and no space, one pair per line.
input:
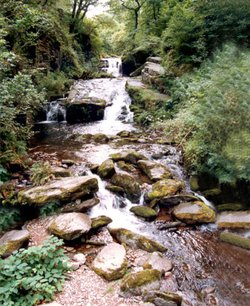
[207,271]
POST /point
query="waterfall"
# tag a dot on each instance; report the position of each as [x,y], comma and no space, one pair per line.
[55,112]
[112,65]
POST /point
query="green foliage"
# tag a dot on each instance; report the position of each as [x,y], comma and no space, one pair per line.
[41,173]
[33,275]
[213,123]
[3,174]
[49,209]
[9,216]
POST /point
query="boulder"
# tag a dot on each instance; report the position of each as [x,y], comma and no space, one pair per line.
[194,212]
[136,241]
[154,59]
[85,110]
[154,171]
[100,138]
[125,166]
[237,219]
[70,226]
[106,169]
[80,206]
[174,200]
[128,156]
[111,262]
[143,211]
[60,172]
[128,183]
[64,190]
[152,72]
[157,261]
[115,189]
[140,282]
[163,298]
[165,188]
[100,221]
[238,239]
[13,241]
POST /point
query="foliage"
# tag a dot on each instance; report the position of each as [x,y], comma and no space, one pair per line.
[213,123]
[3,174]
[9,216]
[41,173]
[33,275]
[49,209]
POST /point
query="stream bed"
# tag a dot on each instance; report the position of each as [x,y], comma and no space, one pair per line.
[207,271]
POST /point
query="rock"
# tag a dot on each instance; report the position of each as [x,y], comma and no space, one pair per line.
[124,134]
[106,169]
[194,183]
[100,221]
[152,72]
[80,206]
[79,258]
[68,162]
[128,156]
[140,282]
[194,212]
[154,171]
[74,266]
[157,261]
[85,110]
[116,189]
[64,190]
[230,207]
[125,167]
[236,239]
[143,211]
[174,200]
[238,219]
[165,188]
[136,241]
[13,241]
[111,262]
[70,226]
[163,298]
[128,183]
[100,138]
[60,172]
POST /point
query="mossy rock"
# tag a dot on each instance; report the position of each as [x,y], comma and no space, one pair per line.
[129,156]
[128,183]
[60,172]
[144,212]
[235,239]
[13,241]
[139,282]
[106,169]
[125,166]
[230,207]
[136,241]
[163,296]
[154,171]
[194,183]
[111,262]
[194,212]
[115,189]
[234,220]
[100,221]
[165,188]
[100,138]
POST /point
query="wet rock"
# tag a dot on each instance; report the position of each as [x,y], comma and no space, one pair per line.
[70,226]
[143,211]
[194,212]
[13,241]
[128,156]
[64,190]
[239,219]
[111,262]
[230,207]
[60,172]
[157,261]
[106,169]
[128,183]
[124,134]
[85,110]
[140,282]
[154,171]
[165,188]
[136,241]
[100,221]
[174,200]
[194,183]
[236,239]
[100,138]
[125,167]
[161,298]
[68,162]
[80,206]
[115,189]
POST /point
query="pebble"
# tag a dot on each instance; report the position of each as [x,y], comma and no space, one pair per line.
[79,258]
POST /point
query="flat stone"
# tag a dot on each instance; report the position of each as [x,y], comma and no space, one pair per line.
[128,156]
[140,282]
[143,211]
[239,239]
[81,206]
[111,262]
[194,212]
[154,171]
[64,190]
[157,261]
[70,226]
[60,172]
[13,241]
[234,220]
[136,241]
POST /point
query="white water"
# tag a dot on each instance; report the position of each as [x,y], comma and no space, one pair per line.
[55,112]
[113,66]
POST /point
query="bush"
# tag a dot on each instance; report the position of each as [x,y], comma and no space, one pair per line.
[33,275]
[213,127]
[41,173]
[9,216]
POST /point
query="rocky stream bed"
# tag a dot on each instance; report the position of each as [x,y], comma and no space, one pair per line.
[135,232]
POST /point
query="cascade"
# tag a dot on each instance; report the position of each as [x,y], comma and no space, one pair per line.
[55,112]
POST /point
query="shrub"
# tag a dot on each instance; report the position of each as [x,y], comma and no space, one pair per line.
[33,275]
[9,216]
[213,127]
[41,173]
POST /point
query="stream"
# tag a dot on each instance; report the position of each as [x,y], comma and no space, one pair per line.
[207,271]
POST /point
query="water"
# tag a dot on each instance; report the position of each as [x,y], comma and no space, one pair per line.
[55,112]
[112,66]
[207,271]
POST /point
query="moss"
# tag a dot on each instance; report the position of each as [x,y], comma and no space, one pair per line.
[107,169]
[128,183]
[230,206]
[165,188]
[144,211]
[115,189]
[235,239]
[100,221]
